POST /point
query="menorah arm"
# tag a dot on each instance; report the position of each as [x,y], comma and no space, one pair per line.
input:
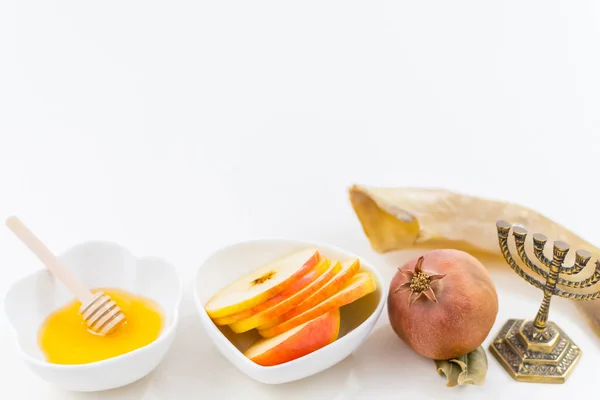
[520,235]
[539,241]
[577,296]
[592,280]
[503,229]
[581,259]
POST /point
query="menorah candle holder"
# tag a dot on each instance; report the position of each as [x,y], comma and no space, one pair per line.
[538,350]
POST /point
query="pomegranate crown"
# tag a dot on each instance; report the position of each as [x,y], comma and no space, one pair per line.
[418,283]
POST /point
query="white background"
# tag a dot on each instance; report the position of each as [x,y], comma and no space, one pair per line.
[176,127]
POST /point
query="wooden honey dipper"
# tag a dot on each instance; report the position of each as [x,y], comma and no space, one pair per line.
[101,314]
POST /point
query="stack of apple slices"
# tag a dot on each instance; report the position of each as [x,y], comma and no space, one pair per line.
[293,302]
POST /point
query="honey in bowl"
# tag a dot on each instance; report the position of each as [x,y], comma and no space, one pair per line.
[64,337]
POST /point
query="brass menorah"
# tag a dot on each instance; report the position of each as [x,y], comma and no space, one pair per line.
[538,350]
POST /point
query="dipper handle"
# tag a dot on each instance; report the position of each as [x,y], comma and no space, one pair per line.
[73,284]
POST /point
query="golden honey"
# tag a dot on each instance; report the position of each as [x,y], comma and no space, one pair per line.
[64,337]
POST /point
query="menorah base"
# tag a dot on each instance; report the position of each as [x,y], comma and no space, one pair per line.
[530,355]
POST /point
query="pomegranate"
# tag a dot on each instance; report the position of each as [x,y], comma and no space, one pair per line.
[442,304]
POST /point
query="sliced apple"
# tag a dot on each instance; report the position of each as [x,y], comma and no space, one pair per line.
[262,283]
[349,269]
[297,342]
[287,302]
[359,286]
[294,288]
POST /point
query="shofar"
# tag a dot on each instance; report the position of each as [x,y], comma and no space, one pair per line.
[402,218]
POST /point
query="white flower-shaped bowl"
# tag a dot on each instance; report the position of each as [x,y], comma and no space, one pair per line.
[99,265]
[231,262]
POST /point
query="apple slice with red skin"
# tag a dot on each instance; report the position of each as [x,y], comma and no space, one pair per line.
[286,304]
[262,283]
[294,288]
[297,342]
[359,286]
[349,269]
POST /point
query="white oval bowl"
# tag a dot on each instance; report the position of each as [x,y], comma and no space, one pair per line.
[99,265]
[229,263]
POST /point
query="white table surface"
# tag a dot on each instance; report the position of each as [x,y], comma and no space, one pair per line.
[176,127]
